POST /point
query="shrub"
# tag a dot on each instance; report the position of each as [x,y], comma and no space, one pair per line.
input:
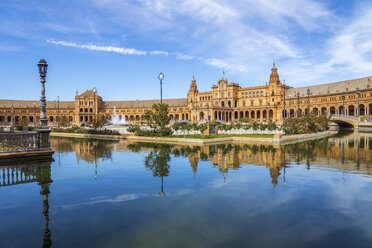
[306,124]
[255,126]
[203,127]
[76,129]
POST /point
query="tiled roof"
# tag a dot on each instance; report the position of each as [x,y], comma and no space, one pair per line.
[332,88]
[88,93]
[144,103]
[30,104]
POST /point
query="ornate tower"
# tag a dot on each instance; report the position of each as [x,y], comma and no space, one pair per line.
[87,106]
[275,93]
[275,87]
[192,98]
[274,76]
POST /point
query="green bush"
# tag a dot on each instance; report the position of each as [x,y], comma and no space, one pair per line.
[76,129]
[306,124]
[255,126]
[161,132]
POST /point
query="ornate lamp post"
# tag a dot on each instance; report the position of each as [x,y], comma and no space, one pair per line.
[161,77]
[12,119]
[308,100]
[43,66]
[358,92]
[298,103]
[59,118]
[284,113]
[343,103]
[34,119]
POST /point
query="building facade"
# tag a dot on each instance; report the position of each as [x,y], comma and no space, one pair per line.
[225,102]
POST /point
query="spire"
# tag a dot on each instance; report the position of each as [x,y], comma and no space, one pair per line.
[193,86]
[274,76]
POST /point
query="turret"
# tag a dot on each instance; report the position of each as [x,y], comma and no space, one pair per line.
[191,96]
[274,76]
[193,86]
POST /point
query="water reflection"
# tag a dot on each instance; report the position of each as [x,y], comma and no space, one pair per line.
[120,206]
[24,172]
[349,152]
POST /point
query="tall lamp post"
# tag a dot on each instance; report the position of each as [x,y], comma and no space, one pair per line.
[58,111]
[284,113]
[358,92]
[298,103]
[308,100]
[343,103]
[12,119]
[43,66]
[34,119]
[161,77]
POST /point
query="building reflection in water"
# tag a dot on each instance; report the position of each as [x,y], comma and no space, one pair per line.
[22,172]
[88,150]
[349,152]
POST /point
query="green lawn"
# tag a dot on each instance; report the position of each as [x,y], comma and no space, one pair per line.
[198,136]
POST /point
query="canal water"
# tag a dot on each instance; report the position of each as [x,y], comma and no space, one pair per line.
[97,193]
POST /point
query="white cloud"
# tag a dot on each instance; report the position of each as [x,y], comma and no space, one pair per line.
[352,47]
[120,50]
[183,56]
[159,53]
[221,64]
[244,36]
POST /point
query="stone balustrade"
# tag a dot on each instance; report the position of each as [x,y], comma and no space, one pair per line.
[24,141]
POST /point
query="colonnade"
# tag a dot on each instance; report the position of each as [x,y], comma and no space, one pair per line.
[259,115]
[350,110]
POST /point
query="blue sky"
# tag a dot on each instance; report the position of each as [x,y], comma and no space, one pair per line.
[120,46]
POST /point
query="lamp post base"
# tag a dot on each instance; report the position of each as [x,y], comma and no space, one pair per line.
[44,123]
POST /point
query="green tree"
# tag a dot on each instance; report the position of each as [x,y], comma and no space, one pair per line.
[157,118]
[100,121]
[203,127]
[63,122]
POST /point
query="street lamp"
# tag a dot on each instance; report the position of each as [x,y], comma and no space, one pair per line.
[12,118]
[43,66]
[308,100]
[298,103]
[284,107]
[343,103]
[358,92]
[161,77]
[34,119]
[58,111]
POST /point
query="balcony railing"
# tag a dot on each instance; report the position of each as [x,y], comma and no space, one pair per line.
[24,141]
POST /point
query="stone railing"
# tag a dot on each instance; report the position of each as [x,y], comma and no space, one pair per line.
[345,117]
[15,175]
[24,141]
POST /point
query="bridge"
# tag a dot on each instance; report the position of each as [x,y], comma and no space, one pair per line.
[346,121]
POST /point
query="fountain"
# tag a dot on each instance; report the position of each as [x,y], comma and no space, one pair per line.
[118,124]
[116,120]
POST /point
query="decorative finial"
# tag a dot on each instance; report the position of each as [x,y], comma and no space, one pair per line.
[76,92]
[223,72]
